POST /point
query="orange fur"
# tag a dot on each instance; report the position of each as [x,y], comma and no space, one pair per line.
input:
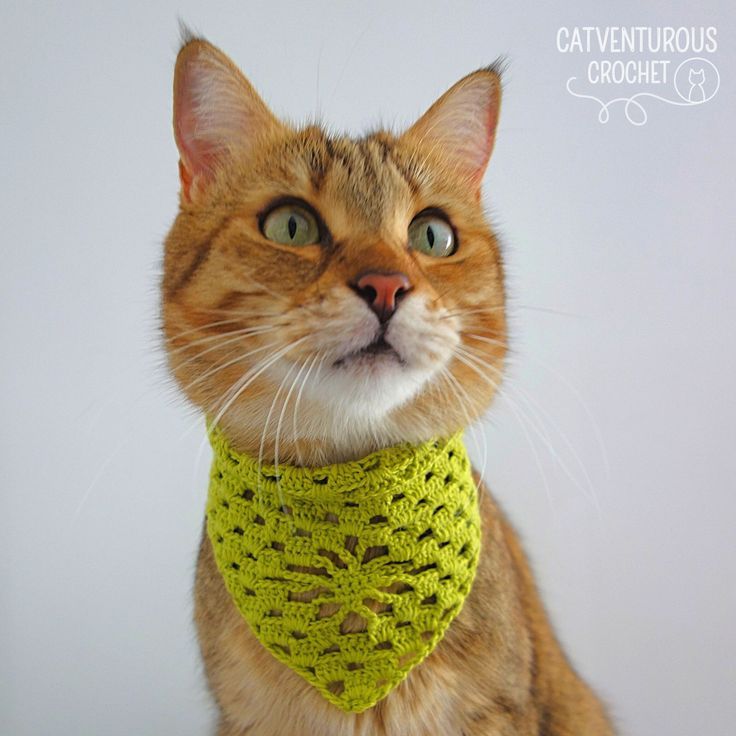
[242,312]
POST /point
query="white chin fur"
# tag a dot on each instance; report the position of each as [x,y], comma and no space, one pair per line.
[363,390]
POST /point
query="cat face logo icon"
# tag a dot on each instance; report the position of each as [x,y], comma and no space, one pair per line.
[696,80]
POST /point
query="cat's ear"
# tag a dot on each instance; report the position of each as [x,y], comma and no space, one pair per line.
[216,111]
[461,124]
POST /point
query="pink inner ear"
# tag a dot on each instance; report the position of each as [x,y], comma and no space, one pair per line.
[215,112]
[197,151]
[470,142]
[462,123]
[471,124]
[486,142]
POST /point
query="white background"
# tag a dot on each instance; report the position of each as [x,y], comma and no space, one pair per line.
[625,233]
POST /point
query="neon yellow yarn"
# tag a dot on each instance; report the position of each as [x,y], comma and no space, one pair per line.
[387,545]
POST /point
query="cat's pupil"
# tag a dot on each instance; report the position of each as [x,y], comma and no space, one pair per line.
[430,236]
[292,227]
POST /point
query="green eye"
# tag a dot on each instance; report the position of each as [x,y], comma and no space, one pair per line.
[432,235]
[291,225]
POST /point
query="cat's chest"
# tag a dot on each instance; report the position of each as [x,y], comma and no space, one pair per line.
[421,706]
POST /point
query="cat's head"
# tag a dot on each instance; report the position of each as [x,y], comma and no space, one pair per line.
[328,294]
[696,76]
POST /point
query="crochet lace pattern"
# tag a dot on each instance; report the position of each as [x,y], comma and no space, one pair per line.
[349,574]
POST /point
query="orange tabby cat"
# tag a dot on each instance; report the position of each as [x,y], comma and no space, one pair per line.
[353,289]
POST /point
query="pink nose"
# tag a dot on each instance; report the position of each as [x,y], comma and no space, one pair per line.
[382,291]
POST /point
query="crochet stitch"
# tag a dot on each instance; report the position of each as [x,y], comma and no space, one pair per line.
[349,574]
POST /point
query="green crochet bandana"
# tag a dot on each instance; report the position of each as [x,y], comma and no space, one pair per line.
[349,574]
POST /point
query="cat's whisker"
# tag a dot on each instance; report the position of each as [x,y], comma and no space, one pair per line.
[237,315]
[238,340]
[266,423]
[245,331]
[294,438]
[456,388]
[591,419]
[481,448]
[233,390]
[545,310]
[465,312]
[239,358]
[241,382]
[304,364]
[537,424]
[519,416]
[234,353]
[251,375]
[297,402]
[578,397]
[542,417]
[510,308]
[489,340]
[220,340]
[96,479]
[201,328]
[294,432]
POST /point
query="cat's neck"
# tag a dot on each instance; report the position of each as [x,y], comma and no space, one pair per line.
[319,449]
[312,452]
[318,437]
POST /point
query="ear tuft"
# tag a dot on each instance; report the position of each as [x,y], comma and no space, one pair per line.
[216,111]
[186,34]
[499,67]
[461,124]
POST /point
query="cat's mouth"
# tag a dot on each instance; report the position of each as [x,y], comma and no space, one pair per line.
[379,349]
